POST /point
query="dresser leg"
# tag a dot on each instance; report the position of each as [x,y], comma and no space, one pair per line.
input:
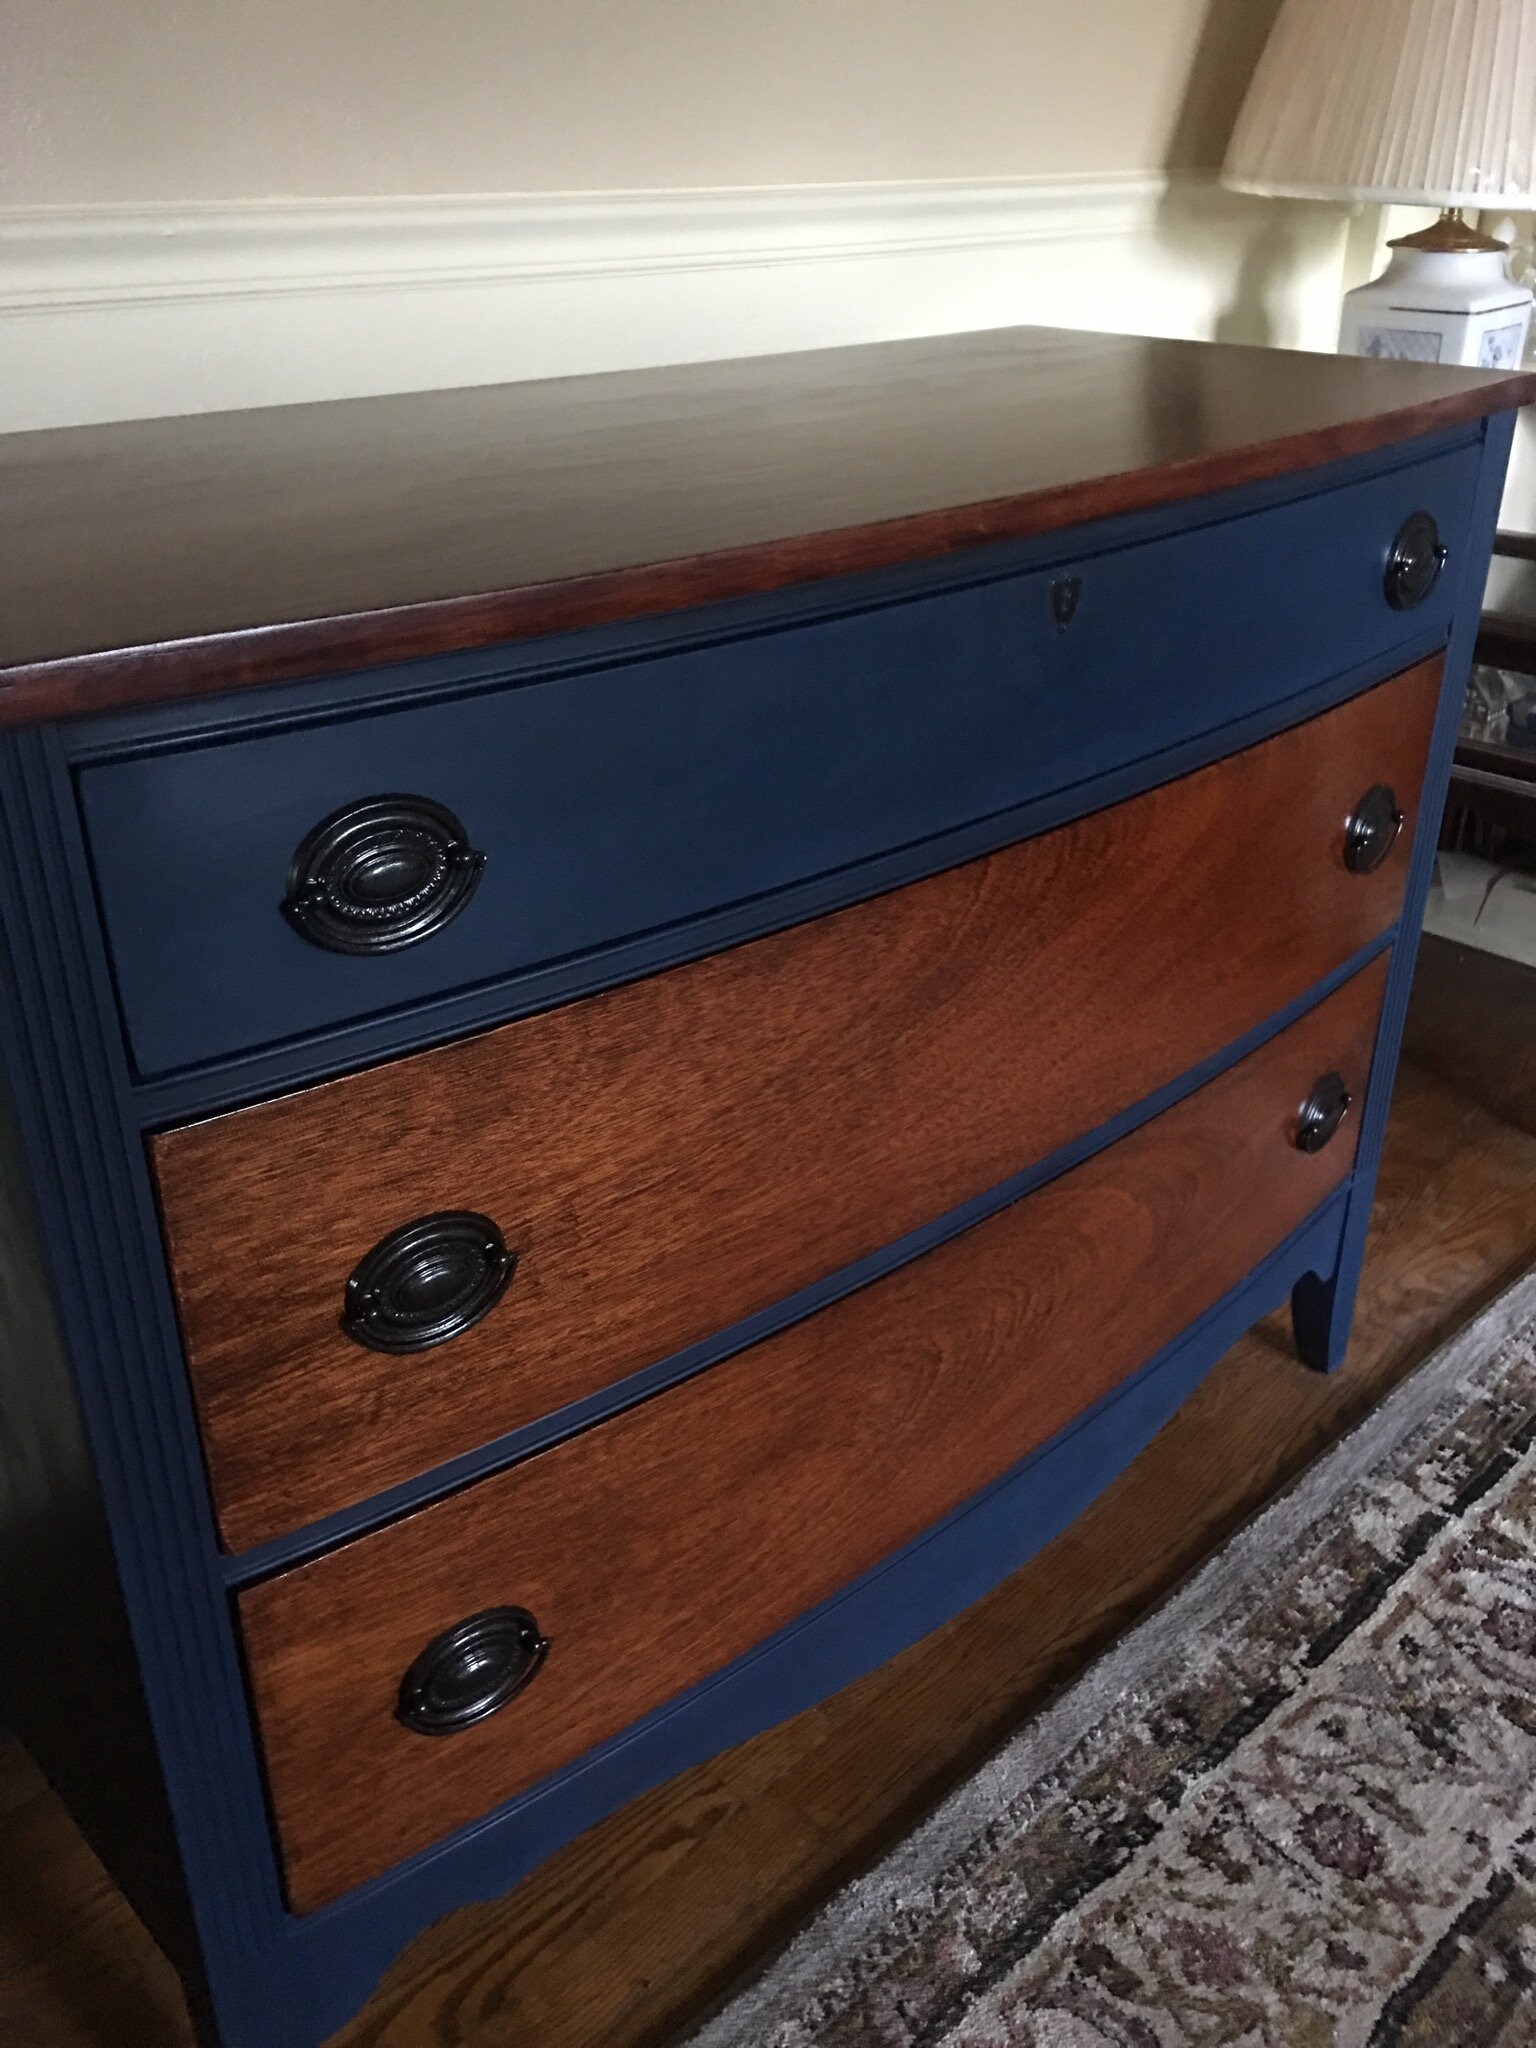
[1321,1314]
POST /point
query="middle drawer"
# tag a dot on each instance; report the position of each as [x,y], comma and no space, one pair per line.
[667,1158]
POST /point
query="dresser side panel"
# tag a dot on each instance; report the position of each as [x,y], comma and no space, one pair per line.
[69,1683]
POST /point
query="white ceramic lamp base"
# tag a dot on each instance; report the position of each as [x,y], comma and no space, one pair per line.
[1440,306]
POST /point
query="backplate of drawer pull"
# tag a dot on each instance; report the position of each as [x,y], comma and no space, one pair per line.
[471,1671]
[1372,829]
[1414,564]
[430,1280]
[1322,1113]
[379,875]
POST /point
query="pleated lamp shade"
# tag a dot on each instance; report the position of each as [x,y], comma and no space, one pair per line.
[1419,102]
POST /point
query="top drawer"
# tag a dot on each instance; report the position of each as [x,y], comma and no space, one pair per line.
[601,804]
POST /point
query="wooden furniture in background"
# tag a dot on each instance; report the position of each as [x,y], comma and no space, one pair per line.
[1493,783]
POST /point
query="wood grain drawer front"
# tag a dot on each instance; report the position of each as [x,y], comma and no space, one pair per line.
[670,1157]
[628,798]
[658,1546]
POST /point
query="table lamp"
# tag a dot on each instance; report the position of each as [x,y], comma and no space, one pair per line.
[1413,102]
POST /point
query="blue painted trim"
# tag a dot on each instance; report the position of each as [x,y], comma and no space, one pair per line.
[254,1077]
[880,1614]
[292,1548]
[64,1058]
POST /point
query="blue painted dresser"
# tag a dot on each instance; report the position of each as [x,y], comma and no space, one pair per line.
[649,1024]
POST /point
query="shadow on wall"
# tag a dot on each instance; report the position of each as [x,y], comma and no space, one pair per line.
[1285,242]
[1231,37]
[1270,262]
[1284,254]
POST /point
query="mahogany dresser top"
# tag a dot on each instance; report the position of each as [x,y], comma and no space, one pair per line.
[162,558]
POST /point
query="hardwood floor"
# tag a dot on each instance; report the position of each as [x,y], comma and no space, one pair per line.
[632,1931]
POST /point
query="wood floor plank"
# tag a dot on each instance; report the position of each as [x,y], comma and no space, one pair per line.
[634,1929]
[76,1968]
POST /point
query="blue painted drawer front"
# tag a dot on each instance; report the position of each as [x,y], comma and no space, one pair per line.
[622,799]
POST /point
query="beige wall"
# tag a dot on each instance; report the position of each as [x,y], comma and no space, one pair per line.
[160,100]
[210,203]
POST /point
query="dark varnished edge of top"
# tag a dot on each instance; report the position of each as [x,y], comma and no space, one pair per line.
[82,685]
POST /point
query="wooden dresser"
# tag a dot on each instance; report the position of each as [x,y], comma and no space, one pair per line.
[649,1023]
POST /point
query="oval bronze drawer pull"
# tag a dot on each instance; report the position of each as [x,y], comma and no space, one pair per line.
[470,1672]
[1371,830]
[1413,566]
[427,1281]
[376,876]
[1321,1114]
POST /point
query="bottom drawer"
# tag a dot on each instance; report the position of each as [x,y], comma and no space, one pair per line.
[658,1546]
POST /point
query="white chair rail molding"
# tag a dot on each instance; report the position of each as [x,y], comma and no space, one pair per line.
[115,312]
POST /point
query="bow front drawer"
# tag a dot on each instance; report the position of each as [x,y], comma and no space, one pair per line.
[383,1272]
[418,1677]
[292,880]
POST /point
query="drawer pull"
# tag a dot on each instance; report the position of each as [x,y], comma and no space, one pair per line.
[427,1281]
[470,1672]
[1415,562]
[376,876]
[1371,830]
[1321,1114]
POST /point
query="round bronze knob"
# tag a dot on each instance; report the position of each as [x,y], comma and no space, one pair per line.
[376,876]
[471,1671]
[427,1281]
[1370,831]
[1321,1114]
[1414,562]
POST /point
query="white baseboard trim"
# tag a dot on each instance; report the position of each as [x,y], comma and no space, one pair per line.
[117,312]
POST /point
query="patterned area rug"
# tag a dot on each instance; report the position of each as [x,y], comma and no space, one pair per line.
[1294,1809]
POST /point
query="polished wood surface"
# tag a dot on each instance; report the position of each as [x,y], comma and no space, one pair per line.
[246,547]
[627,1935]
[829,1446]
[672,1156]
